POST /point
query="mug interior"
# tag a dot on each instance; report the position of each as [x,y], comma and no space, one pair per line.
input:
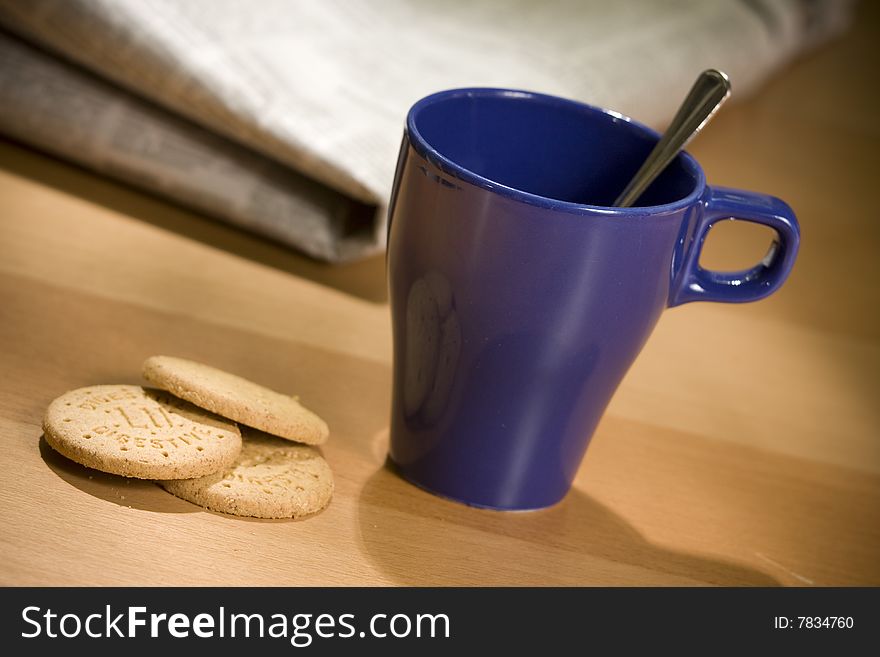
[545,146]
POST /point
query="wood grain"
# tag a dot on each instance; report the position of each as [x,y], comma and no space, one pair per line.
[743,448]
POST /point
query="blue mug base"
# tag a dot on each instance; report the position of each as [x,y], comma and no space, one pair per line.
[399,471]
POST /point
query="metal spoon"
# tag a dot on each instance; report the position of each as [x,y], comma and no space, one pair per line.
[708,93]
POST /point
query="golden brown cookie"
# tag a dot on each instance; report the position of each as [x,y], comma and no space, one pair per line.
[139,432]
[272,478]
[236,398]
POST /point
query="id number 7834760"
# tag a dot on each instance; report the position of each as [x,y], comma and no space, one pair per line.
[813,622]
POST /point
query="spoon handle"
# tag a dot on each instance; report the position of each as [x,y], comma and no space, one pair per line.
[710,90]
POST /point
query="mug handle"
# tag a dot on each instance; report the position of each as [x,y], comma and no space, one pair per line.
[720,203]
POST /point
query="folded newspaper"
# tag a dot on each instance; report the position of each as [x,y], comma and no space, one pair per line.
[284,116]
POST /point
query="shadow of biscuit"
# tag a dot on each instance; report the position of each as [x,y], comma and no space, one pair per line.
[134,493]
[123,491]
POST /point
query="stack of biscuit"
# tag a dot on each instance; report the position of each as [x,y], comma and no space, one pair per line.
[185,436]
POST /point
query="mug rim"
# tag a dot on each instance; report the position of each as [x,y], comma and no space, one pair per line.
[426,150]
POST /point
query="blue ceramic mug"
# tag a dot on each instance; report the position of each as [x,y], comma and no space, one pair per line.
[520,298]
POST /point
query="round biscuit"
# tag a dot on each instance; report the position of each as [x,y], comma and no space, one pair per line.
[139,432]
[272,478]
[236,398]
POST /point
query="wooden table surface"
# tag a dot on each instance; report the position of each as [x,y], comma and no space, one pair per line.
[743,448]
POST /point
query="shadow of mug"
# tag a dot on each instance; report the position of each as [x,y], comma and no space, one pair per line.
[417,538]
